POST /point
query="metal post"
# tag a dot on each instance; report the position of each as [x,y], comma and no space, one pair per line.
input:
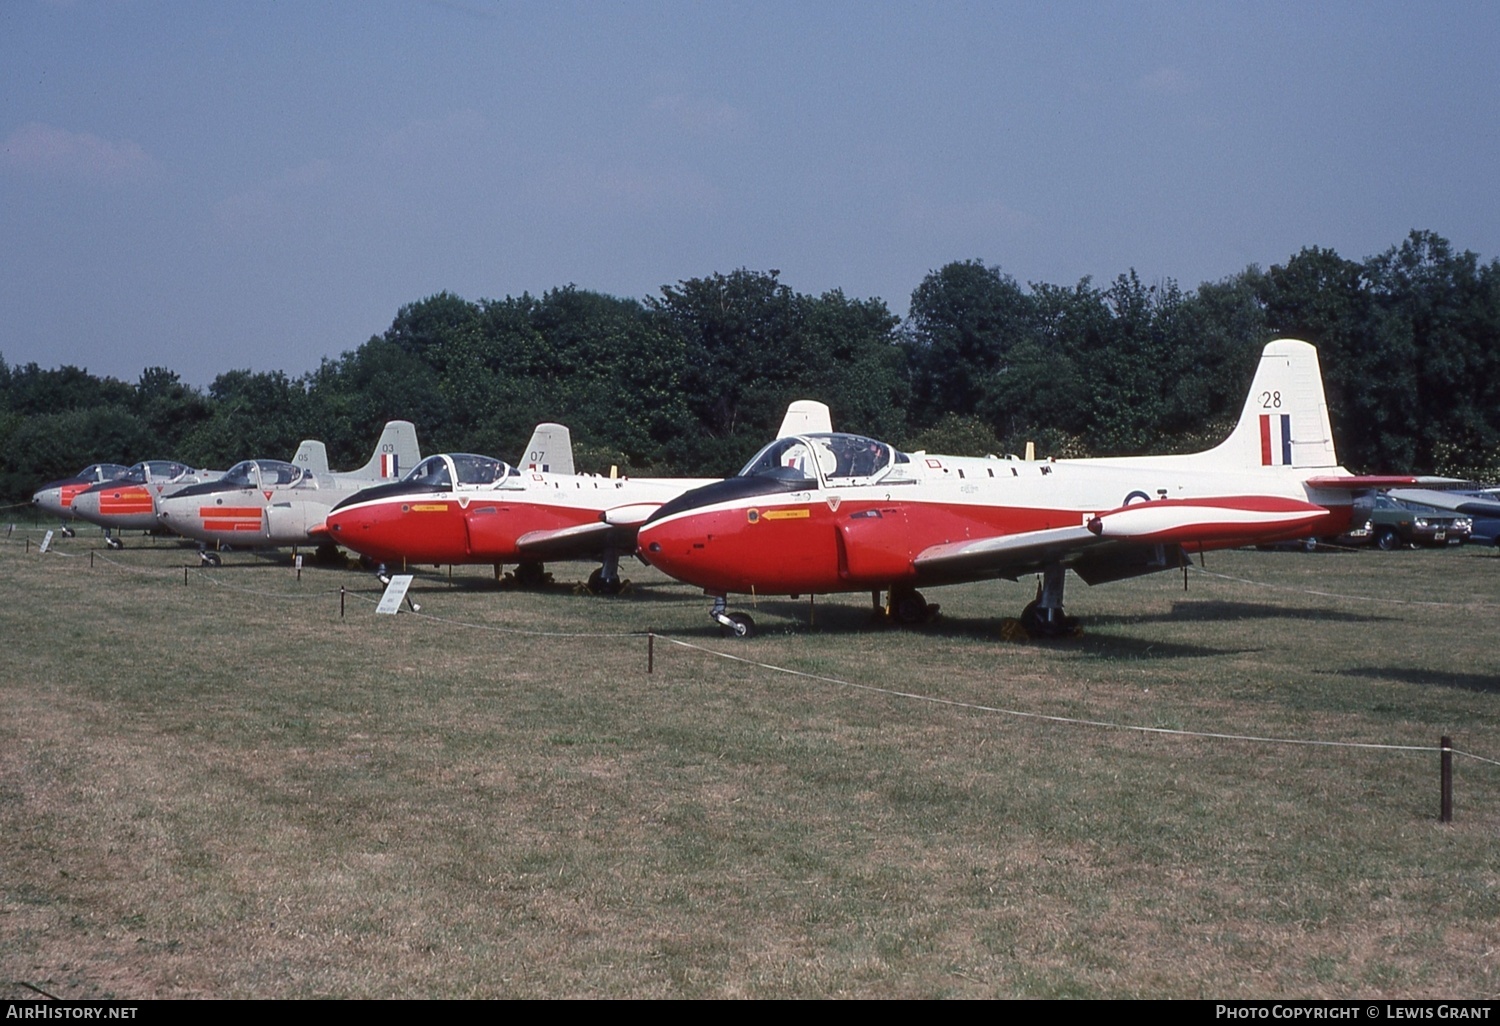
[341,602]
[650,652]
[1446,816]
[91,559]
[184,574]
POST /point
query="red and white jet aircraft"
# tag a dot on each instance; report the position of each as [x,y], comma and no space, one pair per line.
[56,497]
[822,513]
[272,503]
[460,508]
[128,503]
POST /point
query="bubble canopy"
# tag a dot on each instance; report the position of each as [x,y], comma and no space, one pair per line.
[836,458]
[465,469]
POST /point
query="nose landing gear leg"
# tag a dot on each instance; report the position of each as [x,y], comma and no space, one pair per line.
[738,624]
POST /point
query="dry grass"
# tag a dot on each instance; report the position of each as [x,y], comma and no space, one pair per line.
[223,789]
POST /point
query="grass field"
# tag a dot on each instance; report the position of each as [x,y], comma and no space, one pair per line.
[222,788]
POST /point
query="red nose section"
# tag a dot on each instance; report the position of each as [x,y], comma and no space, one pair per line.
[425,531]
[781,550]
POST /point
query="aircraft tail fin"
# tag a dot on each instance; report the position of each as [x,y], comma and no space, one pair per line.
[550,450]
[805,417]
[1285,419]
[312,456]
[395,453]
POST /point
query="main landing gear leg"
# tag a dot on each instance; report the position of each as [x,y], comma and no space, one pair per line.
[606,579]
[1043,617]
[738,624]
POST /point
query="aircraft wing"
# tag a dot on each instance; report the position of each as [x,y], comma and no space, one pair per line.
[1003,553]
[581,541]
[1466,503]
[1131,540]
[1351,482]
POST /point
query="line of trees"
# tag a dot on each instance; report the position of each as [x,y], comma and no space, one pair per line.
[693,380]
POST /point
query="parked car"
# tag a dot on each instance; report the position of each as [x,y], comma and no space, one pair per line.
[1399,524]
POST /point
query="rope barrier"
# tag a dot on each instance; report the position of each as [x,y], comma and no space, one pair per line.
[1336,595]
[871,688]
[1070,720]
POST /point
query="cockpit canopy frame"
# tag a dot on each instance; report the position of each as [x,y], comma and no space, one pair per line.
[469,470]
[833,459]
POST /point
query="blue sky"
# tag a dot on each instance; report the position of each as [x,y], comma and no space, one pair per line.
[213,186]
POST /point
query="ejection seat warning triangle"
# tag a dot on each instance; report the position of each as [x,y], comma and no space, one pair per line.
[390,602]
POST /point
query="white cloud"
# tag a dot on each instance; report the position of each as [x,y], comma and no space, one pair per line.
[47,150]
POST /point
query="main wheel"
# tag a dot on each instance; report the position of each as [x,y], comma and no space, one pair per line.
[531,575]
[1388,540]
[601,585]
[908,608]
[1038,626]
[741,625]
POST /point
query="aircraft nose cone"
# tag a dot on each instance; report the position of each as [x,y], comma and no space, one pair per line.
[685,547]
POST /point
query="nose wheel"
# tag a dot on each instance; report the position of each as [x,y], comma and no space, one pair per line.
[113,542]
[740,625]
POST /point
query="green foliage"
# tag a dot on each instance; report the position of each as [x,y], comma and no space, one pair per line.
[750,345]
[965,320]
[956,435]
[49,446]
[693,380]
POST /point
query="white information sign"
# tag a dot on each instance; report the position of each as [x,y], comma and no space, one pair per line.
[390,602]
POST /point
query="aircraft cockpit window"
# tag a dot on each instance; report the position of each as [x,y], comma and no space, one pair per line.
[432,472]
[242,475]
[475,470]
[856,459]
[103,472]
[164,470]
[786,459]
[274,473]
[839,459]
